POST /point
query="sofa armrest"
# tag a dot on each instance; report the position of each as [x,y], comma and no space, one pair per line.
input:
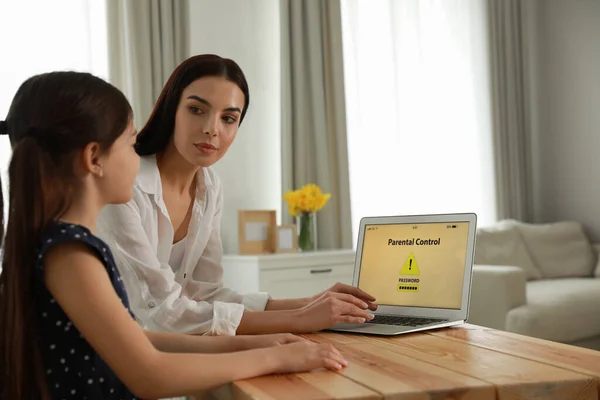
[596,247]
[495,291]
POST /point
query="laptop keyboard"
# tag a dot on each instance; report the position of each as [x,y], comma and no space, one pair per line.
[403,321]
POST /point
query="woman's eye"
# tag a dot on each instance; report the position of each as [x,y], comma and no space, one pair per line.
[195,110]
[229,119]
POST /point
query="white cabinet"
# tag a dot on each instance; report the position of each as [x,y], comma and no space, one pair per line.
[288,275]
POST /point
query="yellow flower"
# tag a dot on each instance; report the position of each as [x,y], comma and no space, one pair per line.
[308,199]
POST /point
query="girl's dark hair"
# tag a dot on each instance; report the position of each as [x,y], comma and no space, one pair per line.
[157,132]
[52,117]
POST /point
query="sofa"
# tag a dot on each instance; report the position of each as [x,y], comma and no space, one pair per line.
[540,280]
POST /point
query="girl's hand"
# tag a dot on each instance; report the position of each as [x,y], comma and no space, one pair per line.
[305,355]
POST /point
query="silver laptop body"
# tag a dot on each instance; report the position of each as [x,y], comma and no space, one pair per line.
[421,277]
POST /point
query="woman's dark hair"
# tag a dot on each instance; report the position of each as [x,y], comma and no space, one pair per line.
[52,117]
[157,132]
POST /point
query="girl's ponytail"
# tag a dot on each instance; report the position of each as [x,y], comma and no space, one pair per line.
[33,204]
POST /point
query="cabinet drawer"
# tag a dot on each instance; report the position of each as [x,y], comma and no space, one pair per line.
[303,282]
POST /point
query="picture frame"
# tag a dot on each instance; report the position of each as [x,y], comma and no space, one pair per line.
[256,231]
[286,239]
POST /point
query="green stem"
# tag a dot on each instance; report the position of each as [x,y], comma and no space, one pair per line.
[306,240]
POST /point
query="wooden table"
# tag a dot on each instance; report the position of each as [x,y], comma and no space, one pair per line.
[466,362]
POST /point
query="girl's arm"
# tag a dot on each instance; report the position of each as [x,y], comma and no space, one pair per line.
[178,343]
[80,284]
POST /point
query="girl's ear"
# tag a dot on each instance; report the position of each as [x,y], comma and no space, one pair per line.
[91,159]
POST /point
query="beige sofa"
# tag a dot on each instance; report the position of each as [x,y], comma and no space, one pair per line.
[540,280]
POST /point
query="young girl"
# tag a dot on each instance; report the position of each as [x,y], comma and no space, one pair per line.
[167,239]
[67,331]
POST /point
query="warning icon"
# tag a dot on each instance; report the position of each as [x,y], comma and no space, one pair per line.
[410,266]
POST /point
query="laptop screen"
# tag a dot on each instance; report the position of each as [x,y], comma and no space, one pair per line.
[415,265]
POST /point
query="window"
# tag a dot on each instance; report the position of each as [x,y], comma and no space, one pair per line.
[418,108]
[39,36]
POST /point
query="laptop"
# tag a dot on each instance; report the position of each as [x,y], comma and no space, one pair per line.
[419,269]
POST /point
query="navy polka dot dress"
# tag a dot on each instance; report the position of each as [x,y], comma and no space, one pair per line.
[73,369]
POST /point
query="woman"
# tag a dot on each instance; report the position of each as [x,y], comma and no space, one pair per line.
[167,240]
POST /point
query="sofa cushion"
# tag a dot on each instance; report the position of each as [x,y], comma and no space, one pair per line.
[502,244]
[562,310]
[560,249]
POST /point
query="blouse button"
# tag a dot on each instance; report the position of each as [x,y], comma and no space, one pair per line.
[151,304]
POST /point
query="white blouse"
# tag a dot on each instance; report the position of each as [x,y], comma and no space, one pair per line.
[185,298]
[176,257]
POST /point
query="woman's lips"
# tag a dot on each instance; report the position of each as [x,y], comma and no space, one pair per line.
[206,148]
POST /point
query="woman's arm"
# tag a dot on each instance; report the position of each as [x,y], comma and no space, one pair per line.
[286,304]
[292,304]
[328,310]
[155,296]
[262,314]
[206,281]
[81,286]
[206,306]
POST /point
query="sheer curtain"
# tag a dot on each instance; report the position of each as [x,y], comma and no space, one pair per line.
[417,93]
[39,36]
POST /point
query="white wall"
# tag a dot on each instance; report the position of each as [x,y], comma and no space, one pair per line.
[567,112]
[247,32]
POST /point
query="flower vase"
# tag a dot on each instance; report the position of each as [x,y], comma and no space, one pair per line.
[307,231]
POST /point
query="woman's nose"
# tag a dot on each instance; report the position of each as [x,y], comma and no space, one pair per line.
[212,127]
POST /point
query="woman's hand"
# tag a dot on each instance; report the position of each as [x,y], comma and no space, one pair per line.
[262,341]
[354,291]
[305,355]
[330,309]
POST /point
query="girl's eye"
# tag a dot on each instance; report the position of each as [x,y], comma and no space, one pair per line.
[195,110]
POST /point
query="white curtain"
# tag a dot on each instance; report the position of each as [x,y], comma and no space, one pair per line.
[314,147]
[510,40]
[147,40]
[419,124]
[38,36]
